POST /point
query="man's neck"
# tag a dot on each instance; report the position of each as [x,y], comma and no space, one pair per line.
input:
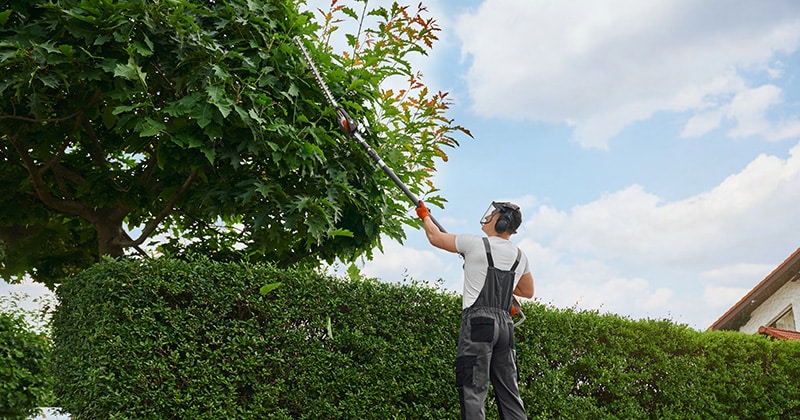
[506,236]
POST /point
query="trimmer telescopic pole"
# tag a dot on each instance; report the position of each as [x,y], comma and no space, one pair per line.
[352,130]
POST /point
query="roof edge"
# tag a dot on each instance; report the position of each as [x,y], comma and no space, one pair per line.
[779,333]
[742,303]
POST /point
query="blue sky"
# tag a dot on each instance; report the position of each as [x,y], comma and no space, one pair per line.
[654,147]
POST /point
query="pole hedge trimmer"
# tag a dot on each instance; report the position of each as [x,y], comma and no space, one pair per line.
[352,129]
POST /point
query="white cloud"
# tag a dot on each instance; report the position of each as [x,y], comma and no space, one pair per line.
[600,66]
[726,285]
[738,274]
[631,252]
[397,260]
[633,224]
[594,284]
[702,123]
[749,108]
[722,298]
[27,295]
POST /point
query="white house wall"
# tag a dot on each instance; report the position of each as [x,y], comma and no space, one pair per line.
[787,295]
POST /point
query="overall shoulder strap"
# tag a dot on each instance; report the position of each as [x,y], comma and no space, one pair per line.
[488,252]
[516,263]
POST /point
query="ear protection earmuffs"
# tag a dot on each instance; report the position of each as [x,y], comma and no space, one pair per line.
[509,219]
[503,221]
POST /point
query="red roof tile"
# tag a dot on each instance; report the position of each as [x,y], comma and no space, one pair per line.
[778,333]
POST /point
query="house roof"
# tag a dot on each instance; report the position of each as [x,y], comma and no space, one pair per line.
[778,333]
[740,312]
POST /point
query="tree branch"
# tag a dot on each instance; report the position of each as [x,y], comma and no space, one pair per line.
[67,174]
[42,193]
[136,247]
[61,173]
[89,103]
[166,211]
[57,158]
[39,120]
[300,256]
[96,150]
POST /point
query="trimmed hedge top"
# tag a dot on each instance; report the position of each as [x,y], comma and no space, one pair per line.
[166,339]
[169,339]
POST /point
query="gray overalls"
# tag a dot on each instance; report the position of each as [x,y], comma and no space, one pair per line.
[486,348]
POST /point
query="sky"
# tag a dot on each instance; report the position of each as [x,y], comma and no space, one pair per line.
[653,146]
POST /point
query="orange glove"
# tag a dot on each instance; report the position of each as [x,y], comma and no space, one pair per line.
[515,309]
[422,211]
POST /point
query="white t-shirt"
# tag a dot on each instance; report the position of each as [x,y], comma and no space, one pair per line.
[504,253]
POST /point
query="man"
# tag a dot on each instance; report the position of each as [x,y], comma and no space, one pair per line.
[494,269]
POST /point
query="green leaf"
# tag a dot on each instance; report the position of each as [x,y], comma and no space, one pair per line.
[183,106]
[293,91]
[195,141]
[220,72]
[350,12]
[144,49]
[49,46]
[204,114]
[4,16]
[124,108]
[341,232]
[67,50]
[210,154]
[329,327]
[354,273]
[269,287]
[130,71]
[216,96]
[151,128]
[10,54]
[264,189]
[49,80]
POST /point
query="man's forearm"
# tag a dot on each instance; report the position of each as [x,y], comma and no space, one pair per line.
[431,230]
[437,238]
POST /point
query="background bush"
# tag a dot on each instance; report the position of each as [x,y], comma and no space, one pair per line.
[170,339]
[24,379]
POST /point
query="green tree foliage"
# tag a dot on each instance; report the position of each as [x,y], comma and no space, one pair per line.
[168,339]
[25,382]
[200,120]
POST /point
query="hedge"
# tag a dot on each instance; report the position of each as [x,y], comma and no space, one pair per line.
[166,339]
[169,339]
[25,383]
[587,365]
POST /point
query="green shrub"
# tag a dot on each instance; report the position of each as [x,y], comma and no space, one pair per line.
[588,365]
[169,339]
[24,380]
[164,339]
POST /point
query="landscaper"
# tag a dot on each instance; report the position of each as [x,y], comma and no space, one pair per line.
[494,269]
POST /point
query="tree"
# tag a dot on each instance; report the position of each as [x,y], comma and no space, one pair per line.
[198,122]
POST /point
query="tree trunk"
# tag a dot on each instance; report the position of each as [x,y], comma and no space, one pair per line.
[110,236]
